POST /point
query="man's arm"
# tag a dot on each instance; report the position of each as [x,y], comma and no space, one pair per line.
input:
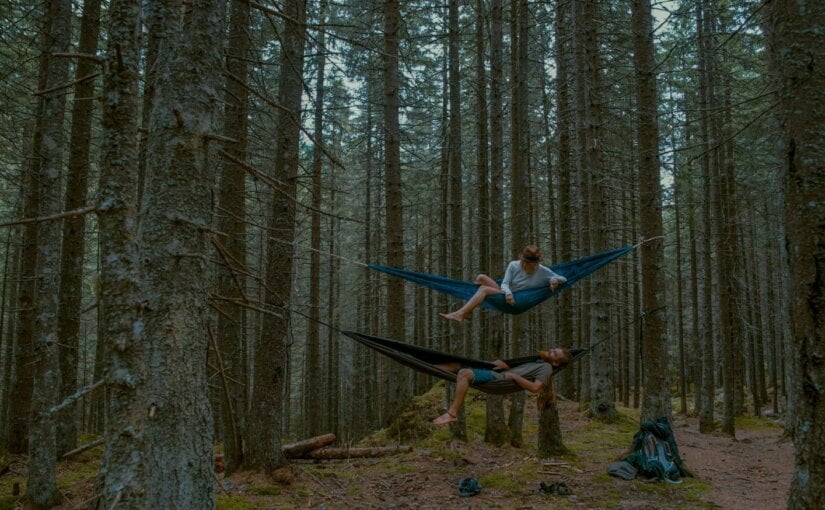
[531,386]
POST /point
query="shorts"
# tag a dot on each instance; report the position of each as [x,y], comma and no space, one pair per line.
[481,375]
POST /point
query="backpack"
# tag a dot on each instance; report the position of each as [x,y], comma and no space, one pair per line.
[654,452]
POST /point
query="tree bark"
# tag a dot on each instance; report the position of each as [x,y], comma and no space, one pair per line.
[312,404]
[565,169]
[656,400]
[74,229]
[798,43]
[602,406]
[394,203]
[520,192]
[271,353]
[120,352]
[22,378]
[230,221]
[708,393]
[41,485]
[175,427]
[496,431]
[455,339]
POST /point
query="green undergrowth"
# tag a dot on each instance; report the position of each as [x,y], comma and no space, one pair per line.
[757,423]
[412,424]
[7,482]
[264,490]
[602,440]
[234,503]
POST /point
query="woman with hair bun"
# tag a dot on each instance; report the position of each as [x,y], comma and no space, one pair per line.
[524,273]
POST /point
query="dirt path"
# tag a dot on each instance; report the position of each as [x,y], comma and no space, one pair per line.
[752,472]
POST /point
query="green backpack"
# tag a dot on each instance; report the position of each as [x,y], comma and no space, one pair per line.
[655,454]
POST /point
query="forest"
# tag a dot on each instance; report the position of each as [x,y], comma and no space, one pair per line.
[199,198]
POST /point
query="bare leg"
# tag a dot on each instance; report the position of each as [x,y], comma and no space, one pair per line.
[462,384]
[449,367]
[487,287]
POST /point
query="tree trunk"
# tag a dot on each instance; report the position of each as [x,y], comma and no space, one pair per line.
[519,198]
[120,350]
[565,170]
[22,379]
[264,427]
[312,404]
[74,229]
[602,406]
[496,431]
[41,485]
[232,252]
[707,331]
[455,339]
[176,209]
[11,276]
[397,386]
[657,395]
[332,415]
[798,41]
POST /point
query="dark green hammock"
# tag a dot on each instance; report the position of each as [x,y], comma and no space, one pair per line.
[425,360]
[526,299]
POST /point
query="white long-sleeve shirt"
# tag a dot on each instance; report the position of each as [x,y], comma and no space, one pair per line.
[516,279]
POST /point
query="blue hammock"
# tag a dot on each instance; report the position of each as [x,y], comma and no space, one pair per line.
[526,299]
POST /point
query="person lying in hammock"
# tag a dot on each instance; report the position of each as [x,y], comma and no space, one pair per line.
[523,273]
[533,377]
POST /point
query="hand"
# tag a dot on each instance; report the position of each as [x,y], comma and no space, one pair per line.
[500,365]
[510,299]
[554,282]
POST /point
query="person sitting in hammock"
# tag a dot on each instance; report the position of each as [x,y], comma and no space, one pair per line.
[533,377]
[523,273]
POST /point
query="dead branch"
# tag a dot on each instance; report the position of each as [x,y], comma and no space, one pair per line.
[59,216]
[67,84]
[81,449]
[71,399]
[80,56]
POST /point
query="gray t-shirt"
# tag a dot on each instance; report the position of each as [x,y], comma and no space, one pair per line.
[533,371]
[516,279]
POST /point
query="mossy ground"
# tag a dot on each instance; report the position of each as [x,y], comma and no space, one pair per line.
[428,476]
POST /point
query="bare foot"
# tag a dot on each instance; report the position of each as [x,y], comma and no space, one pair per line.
[445,418]
[452,316]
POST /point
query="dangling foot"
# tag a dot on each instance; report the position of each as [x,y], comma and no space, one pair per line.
[452,316]
[445,418]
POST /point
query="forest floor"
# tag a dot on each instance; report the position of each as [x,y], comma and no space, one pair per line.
[750,472]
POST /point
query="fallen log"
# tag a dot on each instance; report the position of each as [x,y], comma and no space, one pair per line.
[350,453]
[301,448]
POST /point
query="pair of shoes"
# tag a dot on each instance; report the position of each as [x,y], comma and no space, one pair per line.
[559,488]
[468,487]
